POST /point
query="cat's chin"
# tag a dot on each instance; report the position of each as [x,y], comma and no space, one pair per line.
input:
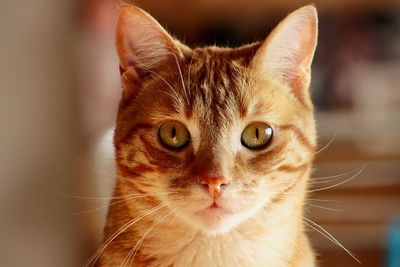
[215,221]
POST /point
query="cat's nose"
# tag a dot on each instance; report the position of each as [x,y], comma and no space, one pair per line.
[214,185]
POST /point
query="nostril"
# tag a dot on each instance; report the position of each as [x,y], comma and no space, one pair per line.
[205,186]
[212,184]
[223,185]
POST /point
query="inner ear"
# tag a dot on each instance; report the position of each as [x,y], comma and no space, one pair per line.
[142,43]
[288,51]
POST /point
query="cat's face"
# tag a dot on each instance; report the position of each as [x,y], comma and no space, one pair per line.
[215,135]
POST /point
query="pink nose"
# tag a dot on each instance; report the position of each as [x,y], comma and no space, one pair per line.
[214,185]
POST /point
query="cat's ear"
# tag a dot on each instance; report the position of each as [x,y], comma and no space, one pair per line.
[142,43]
[288,51]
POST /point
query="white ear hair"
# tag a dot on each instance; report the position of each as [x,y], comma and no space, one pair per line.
[141,40]
[288,51]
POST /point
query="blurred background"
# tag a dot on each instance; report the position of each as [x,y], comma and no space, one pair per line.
[60,89]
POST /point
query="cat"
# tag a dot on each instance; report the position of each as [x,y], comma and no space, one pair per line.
[214,148]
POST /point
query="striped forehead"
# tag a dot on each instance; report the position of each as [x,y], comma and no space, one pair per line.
[214,87]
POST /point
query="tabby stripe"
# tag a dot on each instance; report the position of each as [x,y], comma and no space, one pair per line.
[144,260]
[264,158]
[134,187]
[299,178]
[128,134]
[292,168]
[161,158]
[299,134]
[142,168]
[214,73]
[300,96]
[290,187]
[127,172]
[242,107]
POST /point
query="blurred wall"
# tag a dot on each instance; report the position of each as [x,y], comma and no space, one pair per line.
[38,136]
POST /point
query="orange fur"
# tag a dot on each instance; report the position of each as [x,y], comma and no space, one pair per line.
[170,215]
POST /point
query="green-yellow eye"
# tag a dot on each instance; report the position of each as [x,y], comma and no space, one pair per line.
[173,134]
[256,135]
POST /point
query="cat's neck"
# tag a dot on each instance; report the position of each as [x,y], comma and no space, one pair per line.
[255,242]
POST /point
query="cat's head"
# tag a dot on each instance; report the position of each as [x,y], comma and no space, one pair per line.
[215,134]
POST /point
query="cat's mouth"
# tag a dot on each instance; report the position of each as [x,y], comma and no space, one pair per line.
[214,211]
[214,206]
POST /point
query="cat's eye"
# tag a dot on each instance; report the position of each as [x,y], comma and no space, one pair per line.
[173,134]
[257,135]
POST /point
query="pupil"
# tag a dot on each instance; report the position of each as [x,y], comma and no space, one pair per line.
[173,133]
[257,133]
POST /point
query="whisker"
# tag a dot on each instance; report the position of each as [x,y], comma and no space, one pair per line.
[110,198]
[328,144]
[183,82]
[92,260]
[190,70]
[324,200]
[90,166]
[99,208]
[322,207]
[128,199]
[333,239]
[338,184]
[176,95]
[313,183]
[320,230]
[334,176]
[135,249]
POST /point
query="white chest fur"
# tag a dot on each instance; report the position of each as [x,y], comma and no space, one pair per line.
[239,247]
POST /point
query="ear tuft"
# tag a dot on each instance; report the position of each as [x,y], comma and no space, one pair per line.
[141,41]
[288,51]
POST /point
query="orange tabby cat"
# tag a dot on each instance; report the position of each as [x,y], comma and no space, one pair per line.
[214,148]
